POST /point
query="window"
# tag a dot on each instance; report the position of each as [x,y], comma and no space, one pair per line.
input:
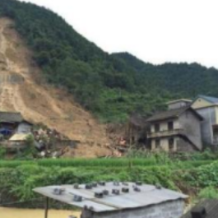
[157,143]
[171,143]
[157,127]
[170,125]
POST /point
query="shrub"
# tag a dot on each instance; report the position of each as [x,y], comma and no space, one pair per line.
[209,192]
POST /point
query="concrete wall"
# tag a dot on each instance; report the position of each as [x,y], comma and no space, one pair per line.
[184,146]
[192,127]
[171,209]
[210,116]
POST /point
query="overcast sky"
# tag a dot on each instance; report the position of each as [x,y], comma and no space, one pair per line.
[156,31]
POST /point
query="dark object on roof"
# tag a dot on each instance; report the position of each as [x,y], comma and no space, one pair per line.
[174,113]
[198,212]
[118,201]
[210,99]
[205,209]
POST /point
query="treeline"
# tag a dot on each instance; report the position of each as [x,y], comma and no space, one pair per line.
[187,80]
[111,86]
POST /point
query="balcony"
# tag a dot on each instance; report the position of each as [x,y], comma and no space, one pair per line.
[166,133]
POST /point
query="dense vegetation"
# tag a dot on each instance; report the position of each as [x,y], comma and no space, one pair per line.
[196,177]
[111,86]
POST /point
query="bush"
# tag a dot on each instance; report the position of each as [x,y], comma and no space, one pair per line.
[2,152]
[209,192]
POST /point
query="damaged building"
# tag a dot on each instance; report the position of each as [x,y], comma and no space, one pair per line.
[135,131]
[13,123]
[14,130]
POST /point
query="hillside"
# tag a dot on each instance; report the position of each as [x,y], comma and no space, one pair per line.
[22,89]
[110,86]
[187,80]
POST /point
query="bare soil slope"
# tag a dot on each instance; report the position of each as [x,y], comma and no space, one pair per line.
[22,89]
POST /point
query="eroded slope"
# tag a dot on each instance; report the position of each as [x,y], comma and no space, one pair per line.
[22,89]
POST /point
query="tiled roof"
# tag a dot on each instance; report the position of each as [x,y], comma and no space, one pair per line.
[171,114]
[11,117]
[210,205]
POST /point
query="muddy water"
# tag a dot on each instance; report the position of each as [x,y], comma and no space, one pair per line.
[24,213]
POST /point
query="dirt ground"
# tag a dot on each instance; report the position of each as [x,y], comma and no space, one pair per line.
[37,213]
[22,89]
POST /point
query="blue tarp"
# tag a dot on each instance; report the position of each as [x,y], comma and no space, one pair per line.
[5,131]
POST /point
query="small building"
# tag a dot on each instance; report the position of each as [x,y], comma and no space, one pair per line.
[13,122]
[177,129]
[207,107]
[205,209]
[118,199]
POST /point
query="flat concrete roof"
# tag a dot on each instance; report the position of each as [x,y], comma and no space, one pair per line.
[137,196]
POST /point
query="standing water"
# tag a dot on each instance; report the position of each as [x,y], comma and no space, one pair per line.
[38,213]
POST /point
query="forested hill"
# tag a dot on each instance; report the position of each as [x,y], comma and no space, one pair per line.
[111,86]
[186,80]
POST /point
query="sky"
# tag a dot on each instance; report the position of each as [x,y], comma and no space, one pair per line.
[155,31]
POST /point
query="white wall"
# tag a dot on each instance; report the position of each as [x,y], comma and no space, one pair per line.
[24,128]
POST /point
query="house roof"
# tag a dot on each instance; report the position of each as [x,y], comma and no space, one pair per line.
[144,196]
[11,117]
[210,205]
[138,120]
[169,114]
[179,100]
[19,137]
[210,99]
